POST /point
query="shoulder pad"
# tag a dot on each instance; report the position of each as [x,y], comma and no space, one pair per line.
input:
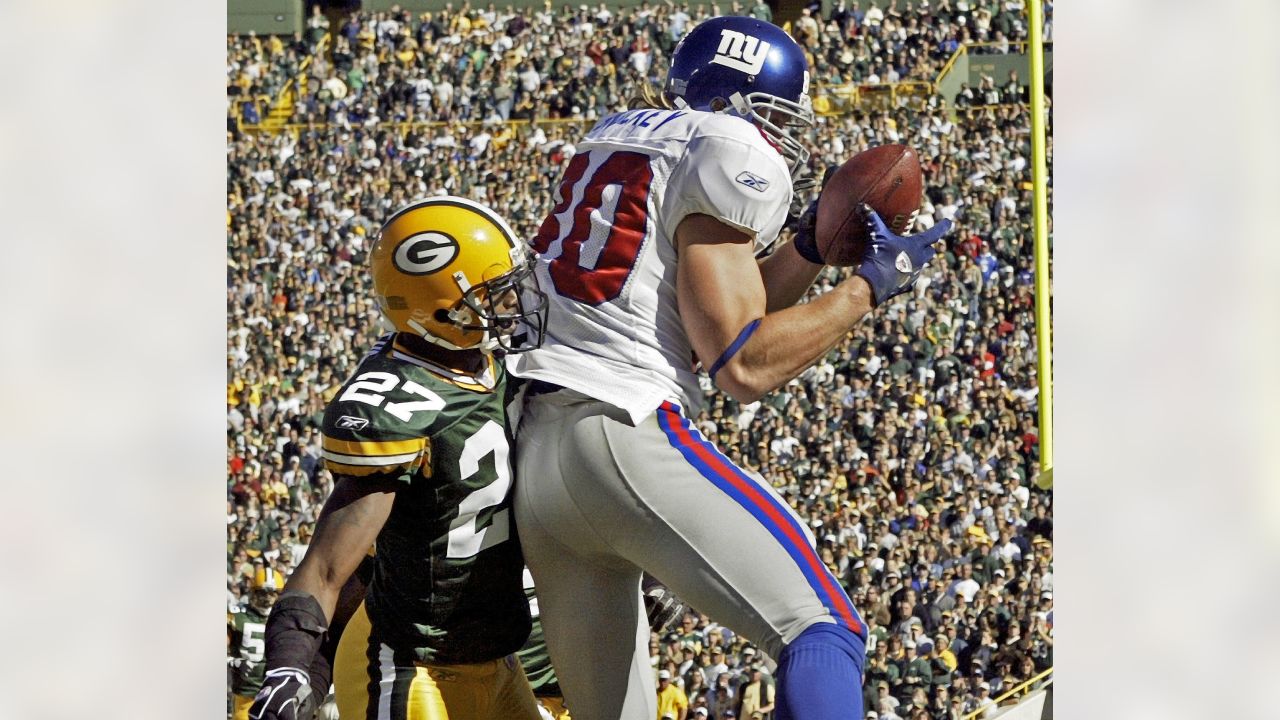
[379,421]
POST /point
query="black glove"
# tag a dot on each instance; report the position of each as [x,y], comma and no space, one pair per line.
[285,695]
[893,263]
[295,631]
[661,605]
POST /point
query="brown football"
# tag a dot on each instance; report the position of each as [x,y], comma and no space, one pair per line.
[887,178]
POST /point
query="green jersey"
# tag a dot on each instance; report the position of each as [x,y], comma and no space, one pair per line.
[446,582]
[534,656]
[247,628]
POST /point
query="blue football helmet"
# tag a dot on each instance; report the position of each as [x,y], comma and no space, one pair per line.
[752,69]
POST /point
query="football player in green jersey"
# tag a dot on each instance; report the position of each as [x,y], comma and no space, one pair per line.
[245,629]
[418,442]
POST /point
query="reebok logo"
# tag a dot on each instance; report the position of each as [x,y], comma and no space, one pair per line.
[753,181]
[347,422]
[741,52]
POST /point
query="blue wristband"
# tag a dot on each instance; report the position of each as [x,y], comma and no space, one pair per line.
[807,246]
[805,238]
[734,347]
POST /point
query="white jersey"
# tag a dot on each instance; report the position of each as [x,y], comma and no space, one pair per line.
[606,253]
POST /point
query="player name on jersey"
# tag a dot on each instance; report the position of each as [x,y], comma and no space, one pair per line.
[640,118]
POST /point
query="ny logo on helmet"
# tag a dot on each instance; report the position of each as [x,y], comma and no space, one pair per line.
[425,253]
[741,52]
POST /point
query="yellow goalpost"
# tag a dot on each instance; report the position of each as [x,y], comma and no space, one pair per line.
[1039,179]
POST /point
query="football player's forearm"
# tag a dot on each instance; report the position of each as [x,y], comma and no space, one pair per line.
[349,599]
[350,522]
[789,341]
[351,595]
[787,277]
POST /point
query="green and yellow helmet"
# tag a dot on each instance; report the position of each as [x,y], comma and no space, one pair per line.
[451,271]
[267,584]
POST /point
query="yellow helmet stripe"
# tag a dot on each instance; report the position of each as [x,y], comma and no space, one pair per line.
[455,201]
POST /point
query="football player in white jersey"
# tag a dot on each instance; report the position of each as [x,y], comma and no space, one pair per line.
[651,251]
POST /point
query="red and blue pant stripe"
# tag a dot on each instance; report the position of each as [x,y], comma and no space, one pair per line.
[766,507]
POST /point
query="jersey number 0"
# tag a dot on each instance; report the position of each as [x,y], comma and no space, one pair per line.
[596,258]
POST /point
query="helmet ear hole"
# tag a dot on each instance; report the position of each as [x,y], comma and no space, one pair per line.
[718,104]
[441,315]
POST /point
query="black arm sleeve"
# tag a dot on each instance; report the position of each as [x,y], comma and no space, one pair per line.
[295,630]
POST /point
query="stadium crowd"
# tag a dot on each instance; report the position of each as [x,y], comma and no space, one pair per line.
[910,450]
[578,62]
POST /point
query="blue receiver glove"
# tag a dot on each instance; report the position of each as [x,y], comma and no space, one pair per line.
[893,263]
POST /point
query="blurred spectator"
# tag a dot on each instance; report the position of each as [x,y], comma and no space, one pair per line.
[755,695]
[672,701]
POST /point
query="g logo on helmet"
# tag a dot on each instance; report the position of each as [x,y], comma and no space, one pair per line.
[425,253]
